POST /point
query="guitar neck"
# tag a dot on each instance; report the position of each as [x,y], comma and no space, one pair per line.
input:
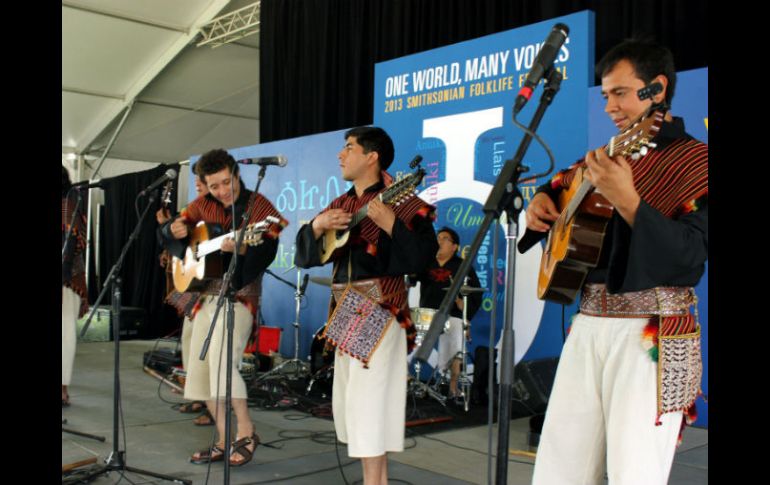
[359,216]
[582,191]
[585,187]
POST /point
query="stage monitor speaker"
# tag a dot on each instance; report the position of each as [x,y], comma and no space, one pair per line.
[133,323]
[533,381]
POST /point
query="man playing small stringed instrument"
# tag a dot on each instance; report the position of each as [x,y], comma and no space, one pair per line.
[630,369]
[369,297]
[227,200]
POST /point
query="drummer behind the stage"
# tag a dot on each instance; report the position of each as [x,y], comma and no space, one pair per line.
[369,393]
[433,285]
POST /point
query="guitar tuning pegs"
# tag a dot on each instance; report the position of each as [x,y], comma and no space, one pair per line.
[643,151]
[635,156]
[652,145]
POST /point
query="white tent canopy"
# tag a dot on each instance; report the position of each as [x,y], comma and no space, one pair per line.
[141,57]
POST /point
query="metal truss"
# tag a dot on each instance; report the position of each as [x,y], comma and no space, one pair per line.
[231,27]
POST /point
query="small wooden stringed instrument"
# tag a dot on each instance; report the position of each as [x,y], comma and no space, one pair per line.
[196,266]
[165,202]
[393,195]
[575,238]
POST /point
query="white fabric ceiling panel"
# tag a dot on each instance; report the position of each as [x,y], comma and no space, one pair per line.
[107,55]
[174,13]
[203,77]
[81,114]
[168,135]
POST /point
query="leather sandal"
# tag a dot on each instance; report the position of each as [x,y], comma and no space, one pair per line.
[215,453]
[192,407]
[240,447]
[205,419]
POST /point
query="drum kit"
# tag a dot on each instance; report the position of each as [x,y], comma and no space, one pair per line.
[422,318]
[322,360]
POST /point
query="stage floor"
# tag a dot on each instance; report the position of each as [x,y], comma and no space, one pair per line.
[160,439]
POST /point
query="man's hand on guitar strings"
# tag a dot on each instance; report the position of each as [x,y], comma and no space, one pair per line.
[336,219]
[228,246]
[541,212]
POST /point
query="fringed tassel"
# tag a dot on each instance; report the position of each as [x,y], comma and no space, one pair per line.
[405,321]
[650,339]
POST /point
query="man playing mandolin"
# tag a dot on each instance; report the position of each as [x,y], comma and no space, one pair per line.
[227,199]
[630,369]
[370,320]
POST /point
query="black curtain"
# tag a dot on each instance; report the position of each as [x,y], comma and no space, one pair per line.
[143,279]
[317,56]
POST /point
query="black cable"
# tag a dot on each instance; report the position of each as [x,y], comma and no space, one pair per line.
[534,135]
[468,449]
[339,462]
[563,330]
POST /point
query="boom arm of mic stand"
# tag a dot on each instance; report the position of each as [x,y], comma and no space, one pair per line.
[504,195]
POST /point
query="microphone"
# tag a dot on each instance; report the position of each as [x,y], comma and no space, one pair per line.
[304,284]
[279,160]
[415,161]
[170,174]
[542,64]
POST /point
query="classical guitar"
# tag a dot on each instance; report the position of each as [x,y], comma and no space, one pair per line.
[393,195]
[575,239]
[192,272]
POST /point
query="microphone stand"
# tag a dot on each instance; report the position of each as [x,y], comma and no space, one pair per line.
[504,197]
[228,291]
[300,367]
[116,460]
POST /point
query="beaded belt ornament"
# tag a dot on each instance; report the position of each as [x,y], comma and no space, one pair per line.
[358,322]
[663,301]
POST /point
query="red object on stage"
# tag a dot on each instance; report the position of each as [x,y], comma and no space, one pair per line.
[269,339]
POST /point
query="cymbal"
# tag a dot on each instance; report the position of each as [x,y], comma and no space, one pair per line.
[467,290]
[320,280]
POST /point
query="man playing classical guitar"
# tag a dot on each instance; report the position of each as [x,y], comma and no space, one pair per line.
[630,369]
[369,394]
[227,199]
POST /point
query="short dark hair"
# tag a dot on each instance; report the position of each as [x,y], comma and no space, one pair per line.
[194,170]
[374,139]
[648,58]
[452,234]
[65,181]
[214,161]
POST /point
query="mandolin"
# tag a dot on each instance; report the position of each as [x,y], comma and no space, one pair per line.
[334,239]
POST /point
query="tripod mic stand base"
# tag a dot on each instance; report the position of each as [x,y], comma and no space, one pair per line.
[122,467]
[301,369]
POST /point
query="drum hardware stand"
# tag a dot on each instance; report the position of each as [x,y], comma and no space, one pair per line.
[463,383]
[300,367]
[419,388]
[323,373]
